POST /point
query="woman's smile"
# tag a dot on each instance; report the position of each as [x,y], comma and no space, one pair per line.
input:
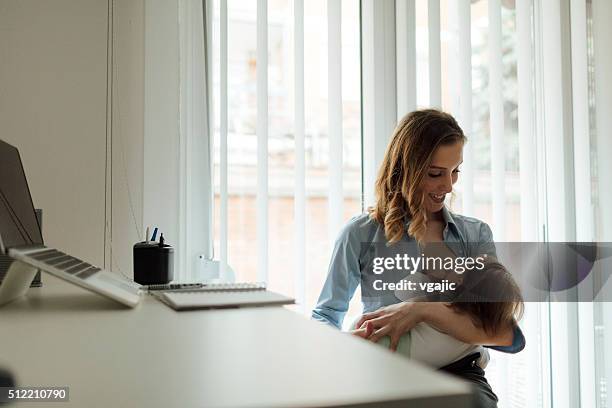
[437,198]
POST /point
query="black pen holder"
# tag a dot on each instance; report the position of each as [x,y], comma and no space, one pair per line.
[153,263]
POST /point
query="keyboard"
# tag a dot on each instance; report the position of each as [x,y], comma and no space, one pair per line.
[80,273]
[66,263]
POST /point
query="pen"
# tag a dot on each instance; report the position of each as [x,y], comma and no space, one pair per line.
[176,286]
[154,234]
[147,235]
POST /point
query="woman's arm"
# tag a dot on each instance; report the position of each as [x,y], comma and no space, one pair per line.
[397,319]
[342,278]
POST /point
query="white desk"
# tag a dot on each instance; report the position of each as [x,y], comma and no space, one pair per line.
[61,335]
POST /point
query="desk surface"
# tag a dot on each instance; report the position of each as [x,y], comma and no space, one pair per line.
[109,356]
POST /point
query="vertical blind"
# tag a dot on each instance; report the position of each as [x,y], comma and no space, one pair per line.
[435,58]
[465,101]
[262,140]
[405,51]
[496,109]
[300,158]
[223,202]
[582,185]
[526,121]
[334,89]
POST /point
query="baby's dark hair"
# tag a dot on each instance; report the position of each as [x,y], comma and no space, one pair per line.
[490,296]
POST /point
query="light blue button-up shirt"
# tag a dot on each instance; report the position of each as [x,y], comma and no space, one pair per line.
[465,236]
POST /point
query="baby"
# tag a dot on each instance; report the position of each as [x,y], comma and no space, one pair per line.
[489,296]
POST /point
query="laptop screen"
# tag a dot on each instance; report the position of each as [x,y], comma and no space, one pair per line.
[18,224]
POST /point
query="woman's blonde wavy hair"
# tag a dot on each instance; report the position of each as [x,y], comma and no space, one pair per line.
[408,156]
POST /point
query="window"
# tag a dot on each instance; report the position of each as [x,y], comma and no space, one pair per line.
[285,247]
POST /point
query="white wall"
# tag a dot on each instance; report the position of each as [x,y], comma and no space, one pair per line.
[53,107]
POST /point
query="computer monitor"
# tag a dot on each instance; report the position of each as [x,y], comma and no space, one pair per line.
[21,239]
[18,223]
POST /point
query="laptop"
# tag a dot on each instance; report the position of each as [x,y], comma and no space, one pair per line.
[21,239]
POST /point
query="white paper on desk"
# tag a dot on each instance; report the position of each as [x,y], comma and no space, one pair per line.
[209,299]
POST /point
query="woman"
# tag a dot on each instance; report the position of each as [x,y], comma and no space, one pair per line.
[420,166]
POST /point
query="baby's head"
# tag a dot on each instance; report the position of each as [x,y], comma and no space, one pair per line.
[490,296]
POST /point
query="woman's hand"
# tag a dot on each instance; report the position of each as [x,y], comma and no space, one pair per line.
[392,321]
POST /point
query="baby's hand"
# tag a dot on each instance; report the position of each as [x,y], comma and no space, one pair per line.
[363,332]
